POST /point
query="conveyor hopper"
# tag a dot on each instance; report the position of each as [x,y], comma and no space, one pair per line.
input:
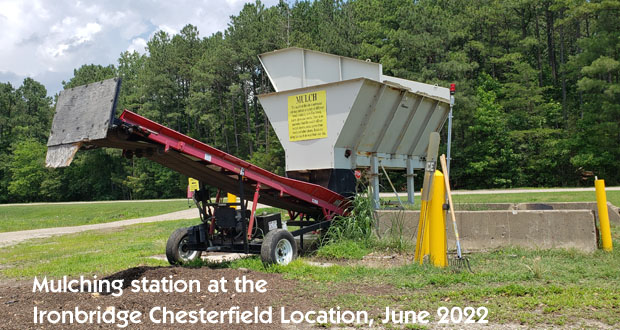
[334,114]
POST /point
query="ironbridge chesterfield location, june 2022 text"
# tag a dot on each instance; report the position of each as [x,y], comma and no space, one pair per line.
[232,315]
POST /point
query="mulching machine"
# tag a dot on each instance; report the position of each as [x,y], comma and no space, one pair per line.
[334,114]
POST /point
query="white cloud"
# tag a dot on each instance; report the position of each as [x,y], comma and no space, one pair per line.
[48,39]
[86,33]
[166,29]
[137,45]
[69,34]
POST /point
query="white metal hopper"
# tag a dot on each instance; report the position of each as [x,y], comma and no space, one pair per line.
[293,68]
[333,112]
[363,116]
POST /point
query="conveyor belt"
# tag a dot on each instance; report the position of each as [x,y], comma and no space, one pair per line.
[219,169]
[85,118]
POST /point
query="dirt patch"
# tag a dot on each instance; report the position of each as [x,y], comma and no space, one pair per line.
[374,259]
[17,301]
[386,260]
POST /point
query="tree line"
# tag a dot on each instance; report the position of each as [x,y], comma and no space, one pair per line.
[537,102]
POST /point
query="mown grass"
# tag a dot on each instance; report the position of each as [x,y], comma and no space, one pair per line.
[346,249]
[517,285]
[25,217]
[91,252]
[528,197]
[538,197]
[530,287]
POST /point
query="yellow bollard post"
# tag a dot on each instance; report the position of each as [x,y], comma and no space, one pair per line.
[437,223]
[603,214]
[230,198]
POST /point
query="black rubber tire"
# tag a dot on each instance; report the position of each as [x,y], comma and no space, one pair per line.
[173,253]
[274,243]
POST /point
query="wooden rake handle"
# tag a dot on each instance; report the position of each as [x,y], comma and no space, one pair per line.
[446,178]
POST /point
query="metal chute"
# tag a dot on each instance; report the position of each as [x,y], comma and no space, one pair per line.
[83,114]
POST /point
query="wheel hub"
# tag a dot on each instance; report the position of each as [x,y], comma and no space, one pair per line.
[185,253]
[284,252]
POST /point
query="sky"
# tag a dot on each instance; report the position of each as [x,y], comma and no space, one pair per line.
[46,40]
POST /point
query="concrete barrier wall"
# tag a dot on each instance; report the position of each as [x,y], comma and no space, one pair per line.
[484,230]
[614,214]
[614,217]
[483,206]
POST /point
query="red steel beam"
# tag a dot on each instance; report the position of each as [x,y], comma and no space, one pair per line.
[254,203]
[329,202]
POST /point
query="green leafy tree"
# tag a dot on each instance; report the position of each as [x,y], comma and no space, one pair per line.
[90,73]
[33,113]
[492,160]
[130,66]
[8,105]
[536,104]
[596,137]
[151,180]
[30,180]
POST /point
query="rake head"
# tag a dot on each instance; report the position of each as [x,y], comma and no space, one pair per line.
[458,264]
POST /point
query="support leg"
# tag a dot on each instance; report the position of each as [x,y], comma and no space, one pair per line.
[254,203]
[244,224]
[374,175]
[410,187]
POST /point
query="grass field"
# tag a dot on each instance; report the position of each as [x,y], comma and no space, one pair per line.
[518,286]
[538,197]
[529,197]
[91,252]
[24,217]
[528,287]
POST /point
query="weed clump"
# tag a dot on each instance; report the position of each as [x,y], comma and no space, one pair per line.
[350,236]
[357,226]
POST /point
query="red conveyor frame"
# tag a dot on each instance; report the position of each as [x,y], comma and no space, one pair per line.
[221,170]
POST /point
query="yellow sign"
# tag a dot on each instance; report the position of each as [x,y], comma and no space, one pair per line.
[230,198]
[193,184]
[307,116]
